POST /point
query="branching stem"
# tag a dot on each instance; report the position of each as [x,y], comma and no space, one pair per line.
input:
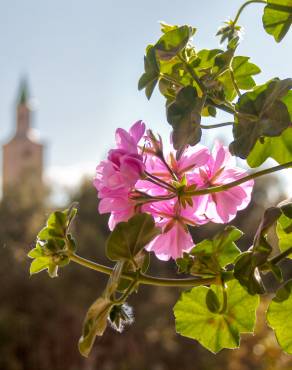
[192,73]
[234,81]
[171,79]
[217,189]
[151,280]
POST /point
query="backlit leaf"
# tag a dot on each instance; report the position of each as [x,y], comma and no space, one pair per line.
[279,316]
[277,18]
[215,330]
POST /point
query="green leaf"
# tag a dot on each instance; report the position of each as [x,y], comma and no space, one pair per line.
[222,247]
[94,324]
[261,113]
[149,79]
[209,257]
[279,148]
[184,115]
[36,252]
[173,42]
[184,263]
[56,226]
[284,232]
[243,71]
[277,18]
[279,316]
[247,273]
[39,264]
[277,272]
[54,243]
[229,31]
[129,238]
[215,330]
[212,301]
[246,267]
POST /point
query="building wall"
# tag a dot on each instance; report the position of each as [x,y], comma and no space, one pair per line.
[22,165]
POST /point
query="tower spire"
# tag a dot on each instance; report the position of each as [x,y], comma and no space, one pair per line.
[23,110]
[23,92]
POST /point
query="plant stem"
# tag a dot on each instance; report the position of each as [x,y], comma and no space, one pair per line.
[225,299]
[207,127]
[157,181]
[171,79]
[280,256]
[192,73]
[172,173]
[150,280]
[226,108]
[216,189]
[245,5]
[234,81]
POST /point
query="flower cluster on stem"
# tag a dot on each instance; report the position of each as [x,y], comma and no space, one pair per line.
[138,176]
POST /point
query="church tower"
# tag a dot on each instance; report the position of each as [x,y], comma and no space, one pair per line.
[23,154]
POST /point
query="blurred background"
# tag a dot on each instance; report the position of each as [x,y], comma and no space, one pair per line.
[69,78]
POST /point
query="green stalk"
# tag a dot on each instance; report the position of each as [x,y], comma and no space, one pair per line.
[217,189]
[243,6]
[151,280]
[280,256]
[233,81]
[170,79]
[216,125]
[192,73]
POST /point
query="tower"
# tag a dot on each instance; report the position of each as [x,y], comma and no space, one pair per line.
[23,154]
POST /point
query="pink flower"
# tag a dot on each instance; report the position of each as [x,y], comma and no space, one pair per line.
[128,141]
[223,206]
[173,220]
[191,158]
[133,180]
[116,177]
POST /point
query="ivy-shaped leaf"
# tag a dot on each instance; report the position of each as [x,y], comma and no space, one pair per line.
[197,316]
[229,31]
[246,269]
[279,316]
[284,232]
[173,42]
[209,257]
[279,148]
[261,113]
[277,18]
[129,238]
[54,242]
[149,79]
[184,115]
[243,71]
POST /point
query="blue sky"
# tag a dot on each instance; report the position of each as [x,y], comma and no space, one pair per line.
[83,60]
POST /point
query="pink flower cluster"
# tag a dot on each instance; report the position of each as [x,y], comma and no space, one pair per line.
[138,177]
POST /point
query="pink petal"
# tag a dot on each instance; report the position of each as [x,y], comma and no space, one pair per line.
[193,157]
[137,131]
[171,244]
[125,141]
